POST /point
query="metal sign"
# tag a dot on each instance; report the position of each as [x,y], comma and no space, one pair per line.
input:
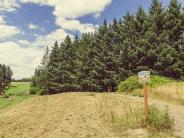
[144,76]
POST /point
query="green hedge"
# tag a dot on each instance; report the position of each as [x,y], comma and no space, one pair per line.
[34,90]
[132,83]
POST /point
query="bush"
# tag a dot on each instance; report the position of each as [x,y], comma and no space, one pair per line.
[6,96]
[159,120]
[34,90]
[129,84]
[132,83]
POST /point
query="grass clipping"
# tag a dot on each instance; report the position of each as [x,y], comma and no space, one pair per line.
[130,115]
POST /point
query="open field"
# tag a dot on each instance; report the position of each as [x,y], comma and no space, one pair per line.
[79,115]
[171,92]
[17,93]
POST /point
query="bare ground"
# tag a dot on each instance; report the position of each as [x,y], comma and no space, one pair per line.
[69,115]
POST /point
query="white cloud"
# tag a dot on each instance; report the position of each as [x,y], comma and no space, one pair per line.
[32,26]
[97,15]
[8,5]
[73,8]
[6,30]
[68,10]
[23,42]
[75,25]
[23,61]
[2,21]
[48,40]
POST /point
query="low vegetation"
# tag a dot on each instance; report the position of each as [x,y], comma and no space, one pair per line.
[127,115]
[172,92]
[132,83]
[161,88]
[16,93]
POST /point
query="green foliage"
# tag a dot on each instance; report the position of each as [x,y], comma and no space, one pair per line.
[5,77]
[16,93]
[99,61]
[129,84]
[159,80]
[132,83]
[18,89]
[34,90]
[159,120]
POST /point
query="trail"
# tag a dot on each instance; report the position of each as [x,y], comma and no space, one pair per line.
[176,111]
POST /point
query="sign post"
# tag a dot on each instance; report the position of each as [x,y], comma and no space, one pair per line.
[144,77]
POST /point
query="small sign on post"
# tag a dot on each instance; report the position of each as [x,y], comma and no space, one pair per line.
[144,77]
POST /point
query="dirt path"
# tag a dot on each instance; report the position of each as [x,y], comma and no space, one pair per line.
[177,112]
[64,116]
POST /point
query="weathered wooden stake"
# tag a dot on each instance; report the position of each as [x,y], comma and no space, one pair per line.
[145,100]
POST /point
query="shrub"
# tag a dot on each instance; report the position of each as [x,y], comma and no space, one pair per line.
[159,120]
[6,96]
[34,90]
[132,83]
[129,84]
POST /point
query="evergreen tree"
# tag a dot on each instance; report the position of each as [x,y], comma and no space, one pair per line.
[98,61]
[53,70]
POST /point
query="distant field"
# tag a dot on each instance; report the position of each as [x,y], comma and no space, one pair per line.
[17,93]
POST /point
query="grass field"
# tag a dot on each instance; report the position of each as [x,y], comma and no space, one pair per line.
[95,115]
[171,92]
[17,92]
[77,115]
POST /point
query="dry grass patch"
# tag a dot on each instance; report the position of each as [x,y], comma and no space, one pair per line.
[126,114]
[171,92]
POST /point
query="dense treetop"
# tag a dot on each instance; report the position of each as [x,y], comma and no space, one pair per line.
[98,61]
[5,77]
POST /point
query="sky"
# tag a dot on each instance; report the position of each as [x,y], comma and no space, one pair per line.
[27,27]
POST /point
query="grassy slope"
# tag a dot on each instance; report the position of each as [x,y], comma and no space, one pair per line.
[17,92]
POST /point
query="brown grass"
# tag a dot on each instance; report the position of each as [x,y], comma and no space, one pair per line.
[171,92]
[79,115]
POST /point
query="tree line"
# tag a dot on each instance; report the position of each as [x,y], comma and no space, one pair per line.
[152,40]
[5,77]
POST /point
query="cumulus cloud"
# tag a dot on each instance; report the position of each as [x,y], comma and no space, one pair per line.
[8,31]
[75,25]
[22,60]
[66,12]
[2,21]
[48,40]
[24,43]
[24,56]
[73,8]
[32,26]
[8,5]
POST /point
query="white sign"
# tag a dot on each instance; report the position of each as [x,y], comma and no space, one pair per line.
[144,76]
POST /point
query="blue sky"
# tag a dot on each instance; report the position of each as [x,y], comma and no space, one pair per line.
[28,26]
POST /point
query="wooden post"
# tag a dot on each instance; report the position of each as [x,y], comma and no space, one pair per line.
[145,100]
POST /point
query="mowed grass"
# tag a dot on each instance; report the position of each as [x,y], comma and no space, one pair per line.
[95,115]
[17,92]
